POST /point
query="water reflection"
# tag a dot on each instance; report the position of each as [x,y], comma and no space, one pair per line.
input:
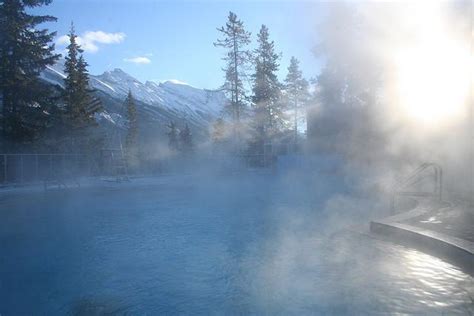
[352,274]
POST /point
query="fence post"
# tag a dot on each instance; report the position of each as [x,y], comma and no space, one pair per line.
[76,165]
[21,168]
[36,167]
[63,159]
[51,166]
[5,168]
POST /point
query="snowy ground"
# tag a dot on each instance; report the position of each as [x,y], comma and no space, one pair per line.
[200,244]
[457,221]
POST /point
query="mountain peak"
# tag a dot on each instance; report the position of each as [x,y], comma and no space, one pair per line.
[152,84]
[160,100]
[118,74]
[118,71]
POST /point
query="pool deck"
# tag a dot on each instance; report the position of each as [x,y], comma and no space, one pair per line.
[413,229]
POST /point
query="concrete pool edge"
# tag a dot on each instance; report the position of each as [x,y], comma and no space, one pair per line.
[455,250]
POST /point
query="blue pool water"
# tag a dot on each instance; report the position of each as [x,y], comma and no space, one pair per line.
[176,245]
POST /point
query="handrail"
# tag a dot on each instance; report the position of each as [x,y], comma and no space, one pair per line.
[401,188]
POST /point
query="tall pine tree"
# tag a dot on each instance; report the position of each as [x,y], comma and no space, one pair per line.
[131,141]
[76,92]
[296,91]
[25,50]
[186,140]
[218,131]
[80,106]
[70,68]
[173,143]
[83,90]
[235,40]
[268,114]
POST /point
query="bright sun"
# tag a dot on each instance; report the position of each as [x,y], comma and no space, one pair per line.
[433,75]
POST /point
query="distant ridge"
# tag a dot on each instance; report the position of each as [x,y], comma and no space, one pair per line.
[158,102]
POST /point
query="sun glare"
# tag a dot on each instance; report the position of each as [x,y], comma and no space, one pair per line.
[433,75]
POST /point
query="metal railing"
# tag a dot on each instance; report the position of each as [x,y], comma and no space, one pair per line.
[406,187]
[27,168]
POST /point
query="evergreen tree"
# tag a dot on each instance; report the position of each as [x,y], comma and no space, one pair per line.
[25,50]
[83,90]
[218,131]
[76,92]
[268,116]
[234,40]
[173,137]
[131,141]
[70,68]
[80,106]
[186,140]
[296,91]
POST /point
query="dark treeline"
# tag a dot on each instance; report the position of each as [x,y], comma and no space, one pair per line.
[38,117]
[25,50]
[340,107]
[180,140]
[262,113]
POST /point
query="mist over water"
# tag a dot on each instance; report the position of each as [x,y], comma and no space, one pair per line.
[395,88]
[208,230]
[256,243]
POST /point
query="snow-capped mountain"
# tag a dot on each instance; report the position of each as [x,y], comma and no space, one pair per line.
[157,102]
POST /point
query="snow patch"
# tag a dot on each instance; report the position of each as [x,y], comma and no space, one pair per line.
[103,83]
[176,81]
[57,72]
[199,106]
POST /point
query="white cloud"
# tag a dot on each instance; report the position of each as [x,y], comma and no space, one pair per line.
[141,60]
[62,40]
[90,40]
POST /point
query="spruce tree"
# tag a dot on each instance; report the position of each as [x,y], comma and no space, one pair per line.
[218,131]
[235,40]
[25,50]
[84,92]
[186,140]
[76,91]
[131,141]
[70,68]
[268,114]
[296,91]
[91,105]
[173,143]
[80,106]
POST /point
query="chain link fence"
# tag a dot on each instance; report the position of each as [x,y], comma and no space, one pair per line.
[28,168]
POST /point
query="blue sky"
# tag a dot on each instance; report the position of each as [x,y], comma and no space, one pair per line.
[159,40]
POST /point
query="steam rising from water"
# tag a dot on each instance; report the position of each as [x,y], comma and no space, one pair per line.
[407,66]
[273,243]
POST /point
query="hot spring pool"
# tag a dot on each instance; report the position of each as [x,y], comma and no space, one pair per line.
[177,245]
